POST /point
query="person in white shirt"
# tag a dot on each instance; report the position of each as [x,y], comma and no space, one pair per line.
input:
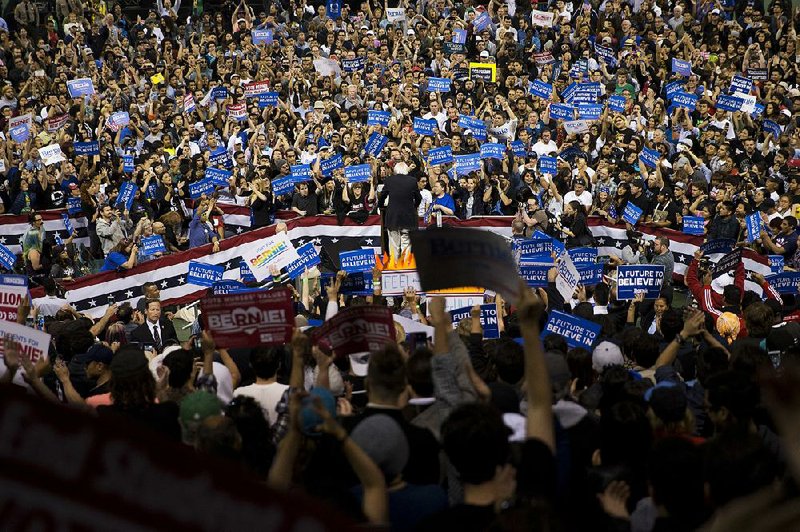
[579,194]
[427,197]
[267,391]
[436,112]
[545,145]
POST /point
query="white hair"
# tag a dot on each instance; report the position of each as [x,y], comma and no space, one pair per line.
[401,168]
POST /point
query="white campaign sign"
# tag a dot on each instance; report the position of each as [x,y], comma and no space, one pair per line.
[394,14]
[542,18]
[275,251]
[51,154]
[568,277]
[34,343]
[394,282]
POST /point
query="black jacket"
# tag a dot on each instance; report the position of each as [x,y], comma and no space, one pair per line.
[404,199]
[144,335]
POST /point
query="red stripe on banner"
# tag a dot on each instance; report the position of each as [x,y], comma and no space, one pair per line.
[677,236]
[54,214]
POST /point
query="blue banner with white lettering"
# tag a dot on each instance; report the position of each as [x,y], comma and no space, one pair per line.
[7,258]
[685,100]
[20,133]
[488,319]
[127,164]
[378,118]
[635,278]
[776,263]
[679,66]
[355,284]
[718,245]
[283,185]
[481,22]
[535,275]
[268,99]
[300,173]
[73,205]
[649,157]
[80,87]
[537,249]
[198,188]
[437,156]
[673,87]
[729,103]
[576,331]
[606,53]
[127,191]
[772,127]
[424,127]
[327,166]
[583,255]
[353,65]
[245,274]
[261,36]
[562,112]
[589,111]
[753,223]
[617,103]
[150,245]
[741,84]
[541,89]
[221,158]
[460,36]
[220,92]
[204,274]
[477,126]
[518,148]
[694,225]
[67,224]
[785,283]
[218,176]
[375,144]
[229,286]
[358,173]
[308,259]
[548,165]
[493,150]
[584,93]
[590,274]
[438,84]
[465,164]
[360,260]
[632,213]
[86,148]
[333,8]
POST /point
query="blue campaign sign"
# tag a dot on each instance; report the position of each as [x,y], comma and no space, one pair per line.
[684,99]
[375,144]
[467,163]
[360,260]
[518,148]
[488,318]
[333,8]
[119,118]
[127,164]
[493,150]
[579,68]
[245,274]
[358,173]
[776,263]
[589,111]
[355,284]
[569,92]
[152,245]
[229,286]
[583,255]
[86,148]
[219,93]
[7,258]
[80,87]
[353,65]
[649,157]
[673,87]
[562,112]
[268,99]
[301,173]
[424,127]
[694,225]
[548,165]
[606,53]
[481,22]
[635,278]
[460,36]
[221,158]
[576,331]
[741,84]
[753,223]
[218,176]
[590,274]
[541,89]
[534,249]
[477,126]
[617,103]
[13,280]
[204,274]
[127,191]
[73,205]
[757,110]
[785,283]
[308,259]
[585,93]
[438,84]
[20,133]
[632,213]
[378,118]
[729,103]
[198,188]
[283,185]
[331,163]
[719,245]
[261,37]
[67,223]
[438,156]
[679,66]
[535,275]
[772,127]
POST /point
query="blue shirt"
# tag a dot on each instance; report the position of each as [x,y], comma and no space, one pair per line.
[114,260]
[445,201]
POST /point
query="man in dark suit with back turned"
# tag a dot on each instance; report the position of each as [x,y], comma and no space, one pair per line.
[155,330]
[400,215]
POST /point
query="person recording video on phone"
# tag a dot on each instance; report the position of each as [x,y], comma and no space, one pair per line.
[155,330]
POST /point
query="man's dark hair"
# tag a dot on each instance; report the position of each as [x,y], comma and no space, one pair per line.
[476,442]
[386,373]
[737,464]
[265,361]
[180,364]
[125,313]
[671,324]
[676,479]
[626,434]
[646,350]
[736,392]
[555,342]
[601,294]
[148,284]
[758,318]
[792,221]
[732,295]
[418,368]
[509,360]
[710,362]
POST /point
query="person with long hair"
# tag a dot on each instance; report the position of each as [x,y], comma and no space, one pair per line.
[122,256]
[574,227]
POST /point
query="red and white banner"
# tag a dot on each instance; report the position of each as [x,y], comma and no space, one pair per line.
[358,329]
[248,319]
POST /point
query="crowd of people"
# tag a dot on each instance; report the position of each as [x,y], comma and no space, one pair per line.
[648,114]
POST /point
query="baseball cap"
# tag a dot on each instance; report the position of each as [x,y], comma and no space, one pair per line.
[686,142]
[73,186]
[580,181]
[411,32]
[359,362]
[197,406]
[385,443]
[606,354]
[319,105]
[638,183]
[128,362]
[715,11]
[484,54]
[99,353]
[783,336]
[794,93]
[668,401]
